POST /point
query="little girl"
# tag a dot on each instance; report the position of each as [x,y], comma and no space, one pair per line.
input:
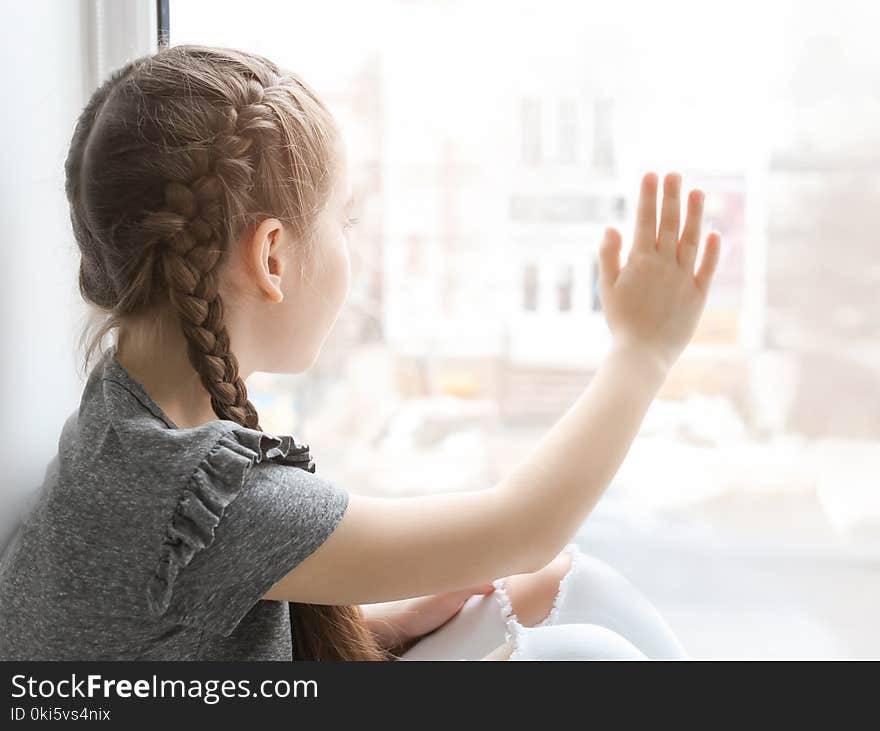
[210,199]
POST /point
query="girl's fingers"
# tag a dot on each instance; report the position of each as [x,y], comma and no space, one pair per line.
[609,257]
[483,589]
[667,236]
[690,236]
[646,214]
[709,262]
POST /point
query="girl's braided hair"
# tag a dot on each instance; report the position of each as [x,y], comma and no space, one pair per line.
[175,156]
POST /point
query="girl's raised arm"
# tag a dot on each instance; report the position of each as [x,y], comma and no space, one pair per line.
[392,548]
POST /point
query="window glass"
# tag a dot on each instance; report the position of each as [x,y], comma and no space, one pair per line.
[490,147]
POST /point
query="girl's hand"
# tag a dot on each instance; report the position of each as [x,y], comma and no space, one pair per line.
[654,302]
[399,623]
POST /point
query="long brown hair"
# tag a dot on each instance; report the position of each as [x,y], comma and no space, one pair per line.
[175,156]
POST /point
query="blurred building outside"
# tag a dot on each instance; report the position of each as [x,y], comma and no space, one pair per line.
[474,321]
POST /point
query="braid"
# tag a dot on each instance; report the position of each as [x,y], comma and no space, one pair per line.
[192,225]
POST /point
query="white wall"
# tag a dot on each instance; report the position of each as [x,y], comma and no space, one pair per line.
[50,58]
[44,76]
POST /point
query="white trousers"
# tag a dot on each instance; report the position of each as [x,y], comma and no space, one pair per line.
[597,615]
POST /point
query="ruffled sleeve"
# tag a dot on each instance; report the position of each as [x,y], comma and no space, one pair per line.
[250,512]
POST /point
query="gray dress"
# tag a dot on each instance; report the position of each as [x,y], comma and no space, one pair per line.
[151,542]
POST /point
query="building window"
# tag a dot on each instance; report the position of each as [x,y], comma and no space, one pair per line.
[603,134]
[415,255]
[568,115]
[595,300]
[531,131]
[564,287]
[530,288]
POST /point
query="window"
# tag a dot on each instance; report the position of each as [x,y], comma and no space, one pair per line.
[531,131]
[594,300]
[568,128]
[530,288]
[564,287]
[603,134]
[758,461]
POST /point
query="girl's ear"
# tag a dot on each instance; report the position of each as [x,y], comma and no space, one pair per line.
[265,257]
